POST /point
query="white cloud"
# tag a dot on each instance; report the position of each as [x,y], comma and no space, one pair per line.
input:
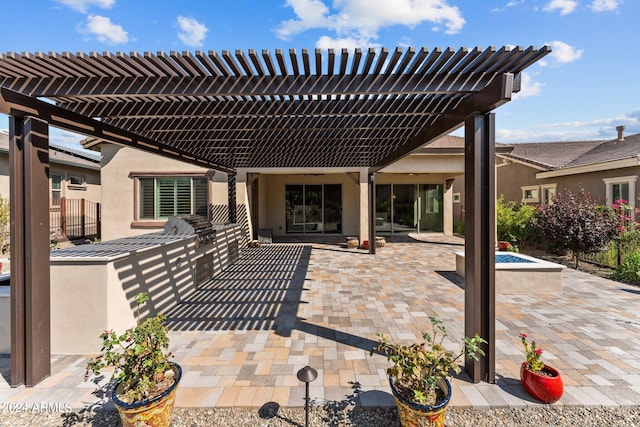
[605,5]
[192,33]
[326,42]
[561,53]
[528,87]
[65,138]
[83,5]
[574,130]
[564,6]
[360,20]
[104,30]
[507,6]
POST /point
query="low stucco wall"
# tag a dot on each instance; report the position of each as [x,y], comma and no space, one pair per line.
[94,289]
[5,320]
[539,276]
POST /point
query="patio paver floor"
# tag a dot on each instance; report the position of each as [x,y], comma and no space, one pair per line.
[242,338]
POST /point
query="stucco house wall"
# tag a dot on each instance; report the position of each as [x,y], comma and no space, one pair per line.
[61,163]
[119,168]
[511,178]
[265,188]
[272,188]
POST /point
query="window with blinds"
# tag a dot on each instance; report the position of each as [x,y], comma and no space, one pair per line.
[162,197]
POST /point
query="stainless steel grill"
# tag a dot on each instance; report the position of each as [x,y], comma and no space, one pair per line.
[188,224]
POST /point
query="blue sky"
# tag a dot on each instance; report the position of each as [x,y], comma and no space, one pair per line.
[589,84]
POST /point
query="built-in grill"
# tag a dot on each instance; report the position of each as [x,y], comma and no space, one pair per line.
[189,224]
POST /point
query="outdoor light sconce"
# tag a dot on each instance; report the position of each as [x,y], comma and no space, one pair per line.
[307,375]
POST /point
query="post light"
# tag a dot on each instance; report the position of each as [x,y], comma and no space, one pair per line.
[307,375]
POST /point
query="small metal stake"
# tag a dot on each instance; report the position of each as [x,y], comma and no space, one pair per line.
[307,375]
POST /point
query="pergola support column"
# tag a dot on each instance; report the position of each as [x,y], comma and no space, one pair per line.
[30,277]
[372,213]
[233,208]
[479,241]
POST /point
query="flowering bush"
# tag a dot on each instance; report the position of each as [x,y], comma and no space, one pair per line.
[623,212]
[533,353]
[139,357]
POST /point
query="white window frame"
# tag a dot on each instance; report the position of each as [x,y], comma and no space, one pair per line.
[456,197]
[156,216]
[530,199]
[631,180]
[58,190]
[81,186]
[79,178]
[544,187]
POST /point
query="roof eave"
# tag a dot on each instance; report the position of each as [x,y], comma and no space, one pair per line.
[593,167]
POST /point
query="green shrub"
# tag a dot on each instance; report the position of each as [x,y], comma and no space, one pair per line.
[458,227]
[514,221]
[629,270]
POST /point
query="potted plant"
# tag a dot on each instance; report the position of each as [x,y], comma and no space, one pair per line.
[146,381]
[503,245]
[418,373]
[539,379]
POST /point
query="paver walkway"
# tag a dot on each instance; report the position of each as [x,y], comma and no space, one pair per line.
[242,338]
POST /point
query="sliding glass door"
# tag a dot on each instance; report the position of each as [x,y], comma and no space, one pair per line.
[313,208]
[405,208]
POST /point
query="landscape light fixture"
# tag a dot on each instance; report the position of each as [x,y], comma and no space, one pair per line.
[307,375]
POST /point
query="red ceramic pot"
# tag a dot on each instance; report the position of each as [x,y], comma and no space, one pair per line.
[503,246]
[547,387]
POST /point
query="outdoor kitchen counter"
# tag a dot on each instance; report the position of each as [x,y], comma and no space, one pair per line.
[112,250]
[93,286]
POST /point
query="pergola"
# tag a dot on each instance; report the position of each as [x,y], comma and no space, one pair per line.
[248,110]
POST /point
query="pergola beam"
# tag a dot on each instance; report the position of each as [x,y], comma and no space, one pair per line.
[20,105]
[498,92]
[240,86]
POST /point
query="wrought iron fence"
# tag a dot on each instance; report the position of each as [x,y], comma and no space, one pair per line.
[74,219]
[615,252]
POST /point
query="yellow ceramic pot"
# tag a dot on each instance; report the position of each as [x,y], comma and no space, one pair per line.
[415,415]
[156,412]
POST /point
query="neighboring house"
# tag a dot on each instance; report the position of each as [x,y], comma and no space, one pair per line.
[533,173]
[73,176]
[141,190]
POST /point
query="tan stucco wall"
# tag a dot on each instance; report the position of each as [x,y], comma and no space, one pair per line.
[118,186]
[5,320]
[593,182]
[433,164]
[272,206]
[79,307]
[90,191]
[4,176]
[513,176]
[90,296]
[354,197]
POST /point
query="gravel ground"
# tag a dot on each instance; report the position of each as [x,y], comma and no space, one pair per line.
[280,417]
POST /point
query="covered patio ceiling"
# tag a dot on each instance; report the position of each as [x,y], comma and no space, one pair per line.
[266,110]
